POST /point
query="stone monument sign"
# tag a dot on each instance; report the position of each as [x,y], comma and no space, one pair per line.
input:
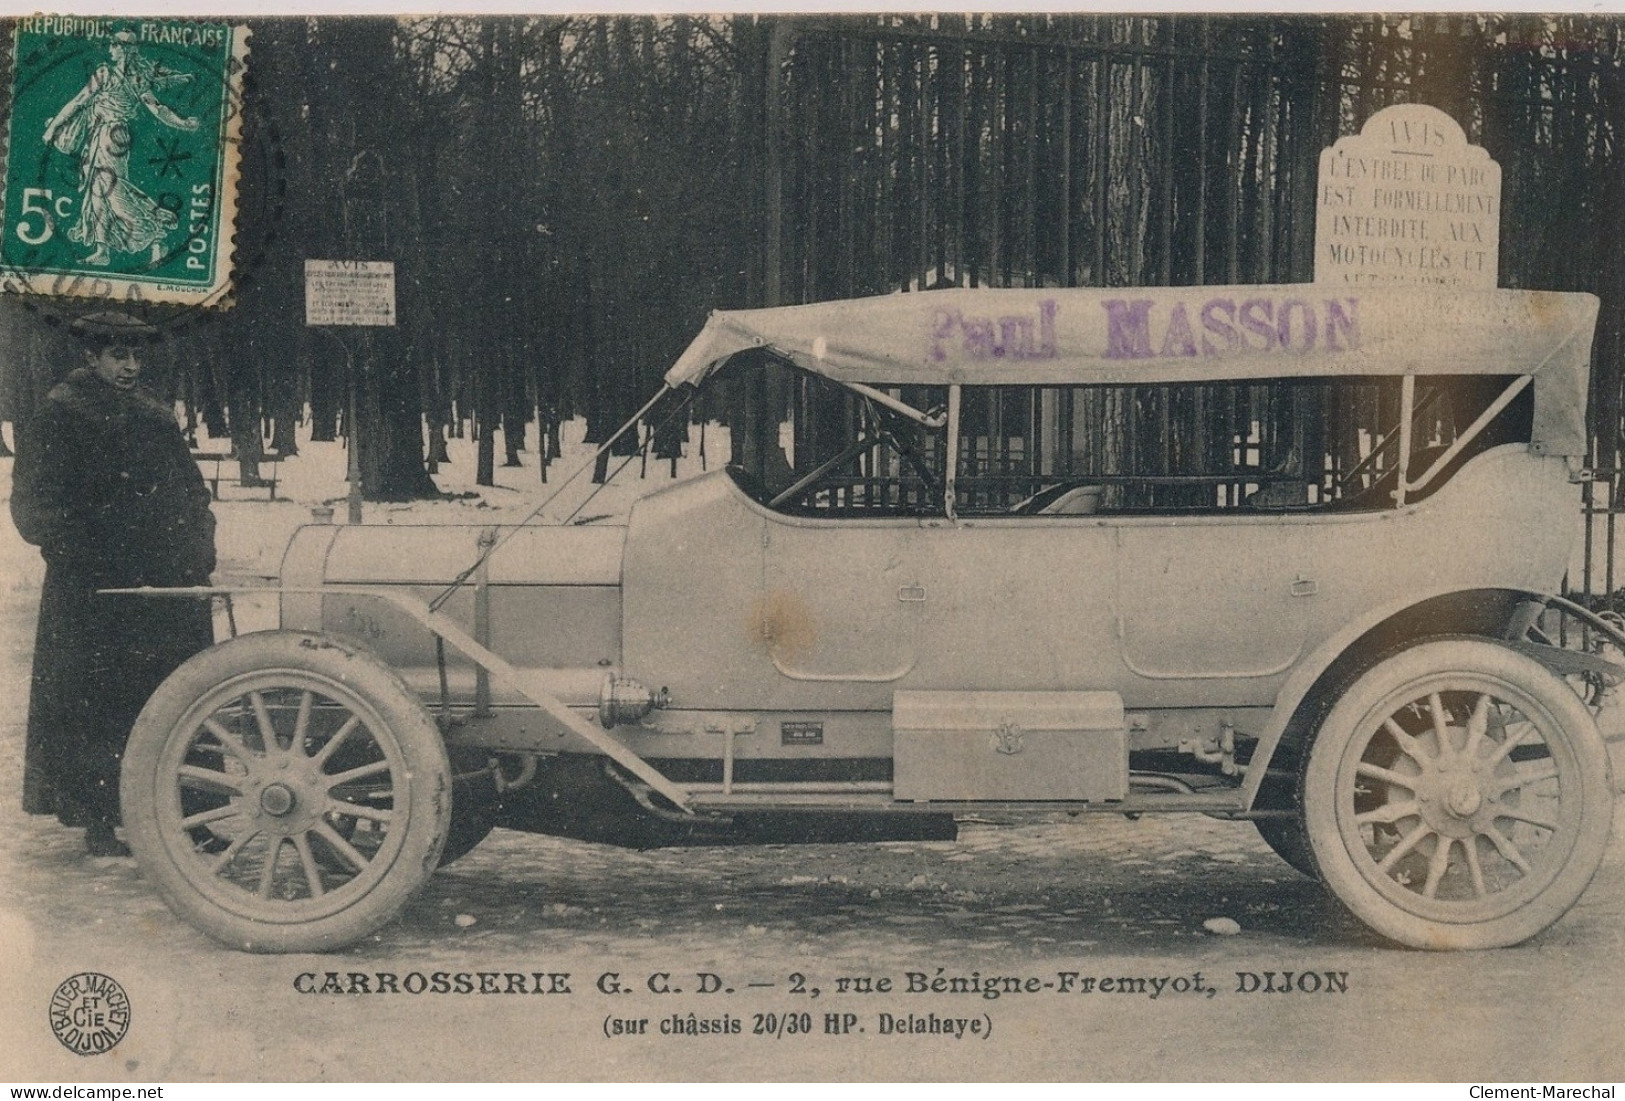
[1408,200]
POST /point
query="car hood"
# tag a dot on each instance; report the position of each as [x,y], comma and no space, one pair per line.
[431,554]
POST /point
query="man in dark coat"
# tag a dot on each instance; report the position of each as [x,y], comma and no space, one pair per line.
[105,487]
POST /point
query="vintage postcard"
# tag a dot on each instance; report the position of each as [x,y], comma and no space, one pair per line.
[892,547]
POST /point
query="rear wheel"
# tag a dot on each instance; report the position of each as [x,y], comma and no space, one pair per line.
[1457,796]
[1285,834]
[1288,840]
[286,792]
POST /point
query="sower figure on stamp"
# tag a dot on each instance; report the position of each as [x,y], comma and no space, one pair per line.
[95,127]
[106,488]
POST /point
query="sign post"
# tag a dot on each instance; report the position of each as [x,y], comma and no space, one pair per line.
[350,293]
[1408,200]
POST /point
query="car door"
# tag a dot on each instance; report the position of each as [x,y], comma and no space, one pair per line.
[1019,604]
[1212,598]
[842,599]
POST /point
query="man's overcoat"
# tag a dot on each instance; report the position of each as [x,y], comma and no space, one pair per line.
[106,488]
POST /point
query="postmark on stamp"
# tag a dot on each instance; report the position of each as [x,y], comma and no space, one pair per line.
[122,159]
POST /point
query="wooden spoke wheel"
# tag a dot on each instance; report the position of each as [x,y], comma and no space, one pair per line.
[286,792]
[1458,796]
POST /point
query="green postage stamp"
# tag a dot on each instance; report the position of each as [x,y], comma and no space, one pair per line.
[122,158]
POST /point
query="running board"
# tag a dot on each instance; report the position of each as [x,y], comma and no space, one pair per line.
[785,797]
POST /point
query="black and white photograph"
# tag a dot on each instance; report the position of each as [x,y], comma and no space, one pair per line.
[896,547]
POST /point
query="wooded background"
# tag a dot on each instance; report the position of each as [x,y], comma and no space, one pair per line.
[566,198]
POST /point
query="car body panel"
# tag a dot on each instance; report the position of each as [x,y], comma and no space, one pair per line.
[730,606]
[554,593]
[692,572]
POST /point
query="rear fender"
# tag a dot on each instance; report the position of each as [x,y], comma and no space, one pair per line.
[1308,689]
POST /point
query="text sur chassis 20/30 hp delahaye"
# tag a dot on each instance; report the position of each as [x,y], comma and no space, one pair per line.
[1278,553]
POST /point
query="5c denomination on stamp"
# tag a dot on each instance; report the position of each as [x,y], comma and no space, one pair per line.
[90,1013]
[122,159]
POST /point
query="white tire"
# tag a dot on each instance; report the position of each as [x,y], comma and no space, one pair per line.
[1458,796]
[286,792]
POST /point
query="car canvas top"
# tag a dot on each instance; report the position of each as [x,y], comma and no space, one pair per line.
[1056,336]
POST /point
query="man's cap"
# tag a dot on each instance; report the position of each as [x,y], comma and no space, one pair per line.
[108,328]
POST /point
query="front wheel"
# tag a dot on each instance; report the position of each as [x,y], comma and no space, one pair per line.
[286,792]
[1458,796]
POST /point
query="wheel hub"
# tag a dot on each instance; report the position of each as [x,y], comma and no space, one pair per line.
[1454,793]
[285,796]
[1464,798]
[277,799]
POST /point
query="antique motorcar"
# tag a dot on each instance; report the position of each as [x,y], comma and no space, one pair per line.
[1290,554]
